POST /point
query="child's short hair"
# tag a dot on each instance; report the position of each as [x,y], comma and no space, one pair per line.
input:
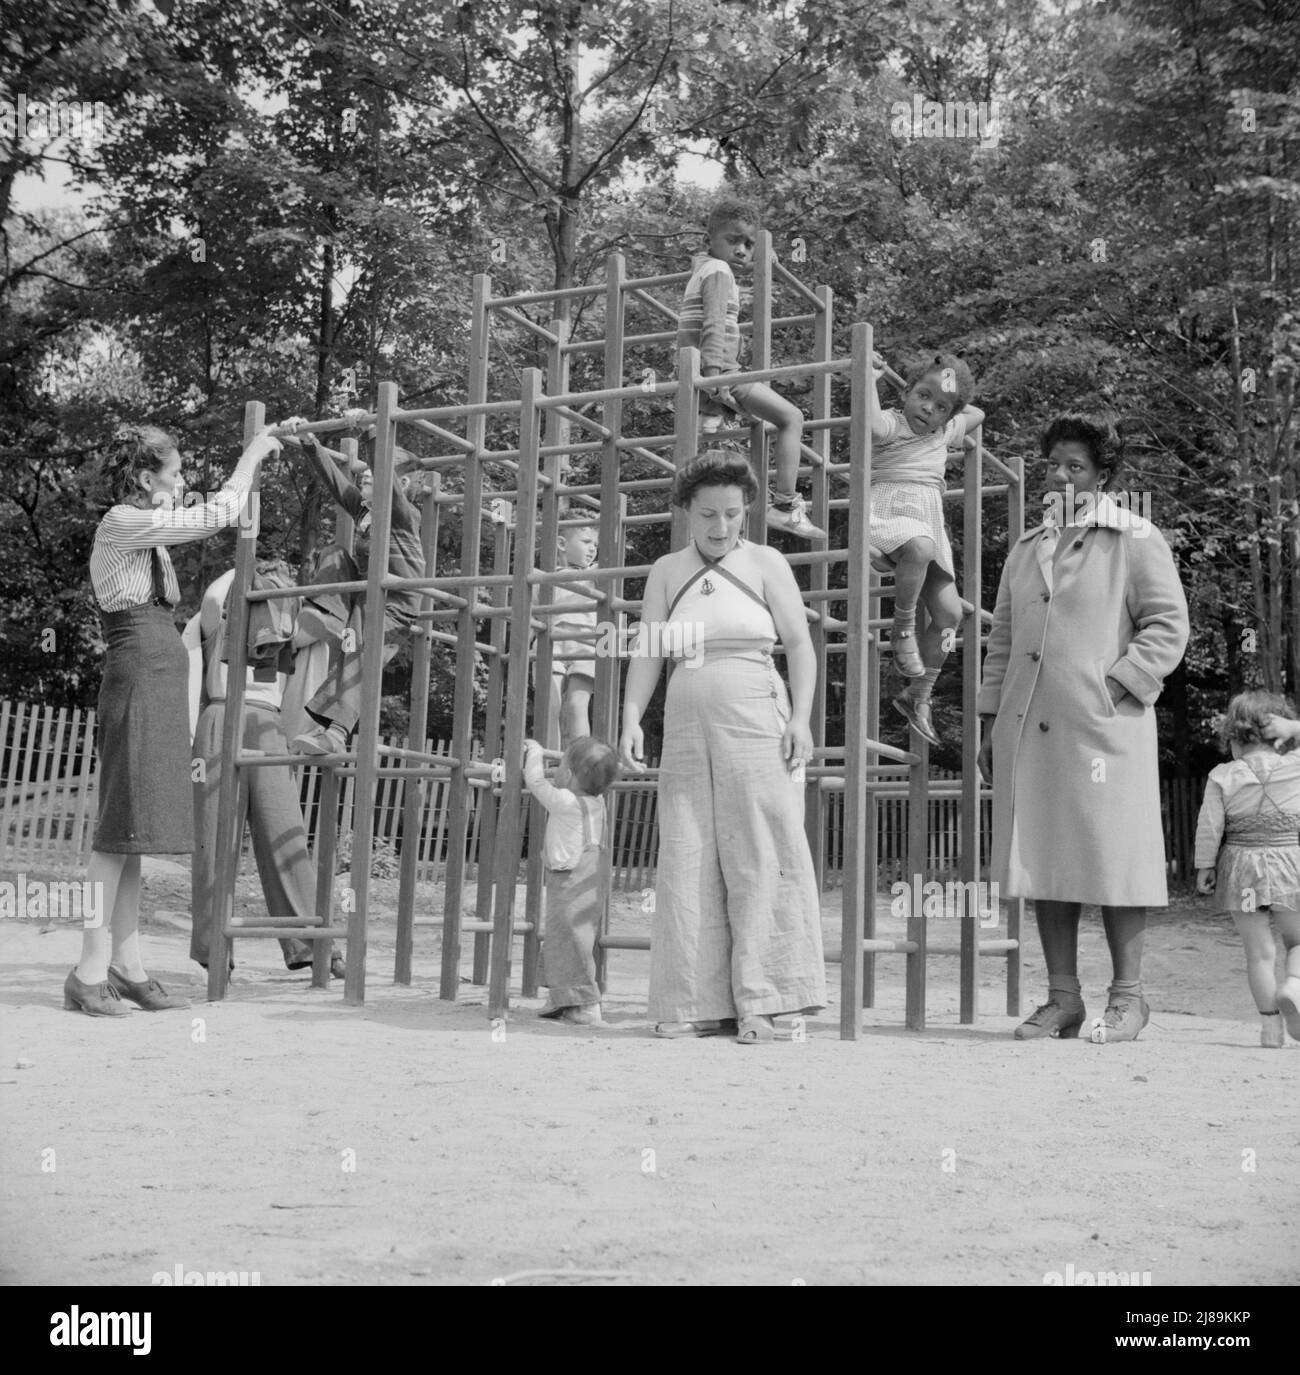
[714,468]
[593,765]
[135,449]
[1097,433]
[1243,722]
[728,208]
[952,370]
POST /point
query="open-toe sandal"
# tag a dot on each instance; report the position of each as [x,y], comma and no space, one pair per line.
[756,1030]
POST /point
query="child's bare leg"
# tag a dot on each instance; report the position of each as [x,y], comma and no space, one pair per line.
[575,719]
[1287,922]
[1261,956]
[913,561]
[553,731]
[939,596]
[763,403]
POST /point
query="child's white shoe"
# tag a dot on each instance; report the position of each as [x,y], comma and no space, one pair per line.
[793,519]
[1271,1035]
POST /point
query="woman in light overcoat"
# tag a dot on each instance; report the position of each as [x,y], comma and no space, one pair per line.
[1090,621]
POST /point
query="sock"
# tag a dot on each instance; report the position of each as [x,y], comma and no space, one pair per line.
[921,689]
[783,501]
[1065,983]
[1125,988]
[904,620]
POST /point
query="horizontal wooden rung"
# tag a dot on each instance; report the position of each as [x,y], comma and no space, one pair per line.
[872,946]
[302,933]
[488,926]
[624,942]
[997,947]
[270,921]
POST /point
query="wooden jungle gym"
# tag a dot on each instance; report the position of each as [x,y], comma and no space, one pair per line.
[489,613]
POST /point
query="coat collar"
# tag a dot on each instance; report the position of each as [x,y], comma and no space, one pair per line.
[1100,512]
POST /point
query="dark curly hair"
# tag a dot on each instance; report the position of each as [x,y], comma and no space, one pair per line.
[1243,722]
[714,468]
[952,370]
[593,764]
[727,208]
[1097,433]
[134,449]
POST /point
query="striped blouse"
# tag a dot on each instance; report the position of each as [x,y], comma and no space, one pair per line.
[709,318]
[122,558]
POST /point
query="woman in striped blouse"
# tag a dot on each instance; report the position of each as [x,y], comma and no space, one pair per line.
[145,800]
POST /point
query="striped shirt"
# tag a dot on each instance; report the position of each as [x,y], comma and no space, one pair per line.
[122,557]
[710,316]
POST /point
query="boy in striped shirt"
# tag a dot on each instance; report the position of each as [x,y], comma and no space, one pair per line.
[709,321]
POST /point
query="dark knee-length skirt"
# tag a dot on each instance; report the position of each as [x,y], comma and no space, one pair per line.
[146,803]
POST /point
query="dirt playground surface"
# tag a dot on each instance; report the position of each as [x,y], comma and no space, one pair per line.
[283,1134]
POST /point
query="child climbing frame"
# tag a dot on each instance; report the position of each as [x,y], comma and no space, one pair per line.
[523,494]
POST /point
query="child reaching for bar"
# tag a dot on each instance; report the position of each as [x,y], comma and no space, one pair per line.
[576,822]
[1248,849]
[908,534]
[337,617]
[709,321]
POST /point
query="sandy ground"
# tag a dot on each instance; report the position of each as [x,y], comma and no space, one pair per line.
[285,1134]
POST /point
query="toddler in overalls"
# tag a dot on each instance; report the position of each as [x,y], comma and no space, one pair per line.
[575,827]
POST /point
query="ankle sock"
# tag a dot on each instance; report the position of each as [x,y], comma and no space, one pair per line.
[922,689]
[904,620]
[783,501]
[1125,988]
[1065,983]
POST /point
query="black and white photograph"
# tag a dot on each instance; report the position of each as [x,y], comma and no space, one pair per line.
[651,643]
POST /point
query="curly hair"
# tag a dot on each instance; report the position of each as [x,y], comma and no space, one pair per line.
[1097,433]
[1243,722]
[592,764]
[956,377]
[714,468]
[727,208]
[134,449]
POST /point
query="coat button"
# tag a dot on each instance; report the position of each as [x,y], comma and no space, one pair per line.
[1042,725]
[1078,544]
[1035,655]
[1047,596]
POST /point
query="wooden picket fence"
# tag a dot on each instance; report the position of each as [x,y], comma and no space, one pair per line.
[47,791]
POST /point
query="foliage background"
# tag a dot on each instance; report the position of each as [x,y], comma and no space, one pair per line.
[290,201]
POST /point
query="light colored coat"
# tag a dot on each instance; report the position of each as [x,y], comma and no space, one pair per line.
[1076,790]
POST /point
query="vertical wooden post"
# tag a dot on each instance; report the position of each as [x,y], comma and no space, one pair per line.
[466,635]
[918,840]
[816,815]
[1015,906]
[489,808]
[686,443]
[606,710]
[506,852]
[858,882]
[760,356]
[230,797]
[372,667]
[972,635]
[414,788]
